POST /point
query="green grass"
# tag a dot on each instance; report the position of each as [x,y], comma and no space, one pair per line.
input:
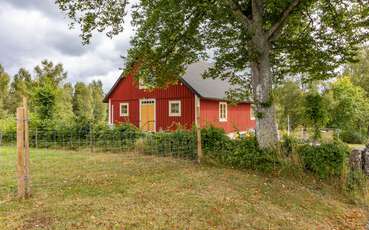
[82,190]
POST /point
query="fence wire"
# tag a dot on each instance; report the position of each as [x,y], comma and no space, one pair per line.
[46,145]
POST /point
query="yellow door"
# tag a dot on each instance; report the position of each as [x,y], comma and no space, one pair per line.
[147,116]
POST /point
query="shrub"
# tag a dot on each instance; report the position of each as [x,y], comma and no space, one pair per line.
[239,153]
[214,139]
[246,154]
[326,160]
[352,137]
[180,143]
[289,145]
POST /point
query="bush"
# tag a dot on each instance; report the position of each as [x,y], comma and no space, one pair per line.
[214,139]
[240,153]
[353,137]
[245,153]
[289,145]
[326,160]
[180,143]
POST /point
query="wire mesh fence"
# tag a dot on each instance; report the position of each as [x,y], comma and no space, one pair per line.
[177,144]
[49,146]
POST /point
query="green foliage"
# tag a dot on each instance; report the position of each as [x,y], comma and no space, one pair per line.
[359,71]
[21,86]
[245,153]
[98,106]
[325,160]
[266,39]
[290,103]
[4,83]
[349,105]
[8,124]
[316,112]
[213,138]
[289,145]
[240,153]
[180,143]
[352,136]
[44,99]
[82,103]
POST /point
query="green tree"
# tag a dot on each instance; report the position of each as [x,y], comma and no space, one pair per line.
[82,103]
[64,116]
[50,74]
[349,105]
[359,71]
[44,103]
[316,113]
[98,106]
[20,86]
[289,99]
[4,90]
[272,38]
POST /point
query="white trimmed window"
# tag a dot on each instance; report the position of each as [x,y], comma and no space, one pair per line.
[124,109]
[174,108]
[223,111]
[252,112]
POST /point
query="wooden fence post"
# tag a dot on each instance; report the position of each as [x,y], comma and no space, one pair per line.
[24,180]
[27,177]
[20,153]
[198,130]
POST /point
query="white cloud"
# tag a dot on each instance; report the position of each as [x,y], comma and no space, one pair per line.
[30,34]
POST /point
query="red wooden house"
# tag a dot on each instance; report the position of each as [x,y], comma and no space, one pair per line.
[164,109]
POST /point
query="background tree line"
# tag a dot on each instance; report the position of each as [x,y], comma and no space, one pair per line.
[54,102]
[341,104]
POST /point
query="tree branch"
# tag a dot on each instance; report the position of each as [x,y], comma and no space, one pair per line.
[237,10]
[277,27]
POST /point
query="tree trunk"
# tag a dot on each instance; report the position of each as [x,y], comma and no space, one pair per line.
[266,125]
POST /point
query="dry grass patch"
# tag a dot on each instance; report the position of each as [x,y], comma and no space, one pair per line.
[82,190]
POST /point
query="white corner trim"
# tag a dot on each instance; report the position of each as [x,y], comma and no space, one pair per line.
[252,113]
[179,110]
[109,118]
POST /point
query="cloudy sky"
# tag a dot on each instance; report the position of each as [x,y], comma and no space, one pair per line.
[34,30]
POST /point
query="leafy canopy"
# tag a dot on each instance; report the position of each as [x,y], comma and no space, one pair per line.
[305,36]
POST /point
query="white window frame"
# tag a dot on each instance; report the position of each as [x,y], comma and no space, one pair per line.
[223,119]
[120,109]
[179,108]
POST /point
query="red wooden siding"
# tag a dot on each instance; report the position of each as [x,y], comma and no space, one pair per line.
[238,117]
[128,91]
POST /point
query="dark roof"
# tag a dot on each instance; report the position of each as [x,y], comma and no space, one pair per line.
[205,88]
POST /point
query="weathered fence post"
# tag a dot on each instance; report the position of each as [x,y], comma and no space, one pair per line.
[24,180]
[26,149]
[20,151]
[36,139]
[198,130]
[91,138]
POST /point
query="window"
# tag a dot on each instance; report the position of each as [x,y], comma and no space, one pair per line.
[124,109]
[222,111]
[174,108]
[252,113]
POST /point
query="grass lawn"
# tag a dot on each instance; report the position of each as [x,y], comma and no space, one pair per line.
[82,190]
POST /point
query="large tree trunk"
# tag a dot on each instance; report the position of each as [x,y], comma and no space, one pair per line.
[266,125]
